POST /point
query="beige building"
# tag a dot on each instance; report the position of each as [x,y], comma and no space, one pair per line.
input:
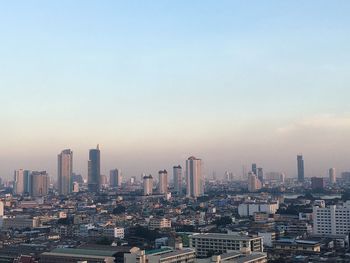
[39,184]
[163,182]
[20,222]
[65,171]
[159,223]
[148,185]
[332,176]
[194,178]
[166,255]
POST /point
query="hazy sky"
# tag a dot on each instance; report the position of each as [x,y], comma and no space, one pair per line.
[231,82]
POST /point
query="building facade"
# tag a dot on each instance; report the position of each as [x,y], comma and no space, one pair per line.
[65,171]
[194,178]
[300,167]
[163,182]
[115,178]
[94,170]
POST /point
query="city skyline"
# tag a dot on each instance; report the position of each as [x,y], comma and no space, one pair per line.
[232,82]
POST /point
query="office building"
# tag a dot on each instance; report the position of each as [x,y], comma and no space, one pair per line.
[253,182]
[147,185]
[250,208]
[94,170]
[115,178]
[194,178]
[39,183]
[332,176]
[21,182]
[163,182]
[206,243]
[65,171]
[331,220]
[254,170]
[300,166]
[260,174]
[177,176]
[318,183]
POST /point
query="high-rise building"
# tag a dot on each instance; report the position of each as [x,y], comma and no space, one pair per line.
[260,174]
[39,183]
[65,171]
[177,175]
[332,176]
[194,177]
[300,164]
[254,170]
[115,178]
[147,185]
[21,181]
[253,183]
[163,182]
[1,208]
[94,170]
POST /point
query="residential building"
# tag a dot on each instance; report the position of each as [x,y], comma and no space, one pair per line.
[177,176]
[147,185]
[159,223]
[194,178]
[39,183]
[65,171]
[163,182]
[115,178]
[249,208]
[332,176]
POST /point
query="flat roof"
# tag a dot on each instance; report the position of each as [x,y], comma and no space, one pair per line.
[226,236]
[84,252]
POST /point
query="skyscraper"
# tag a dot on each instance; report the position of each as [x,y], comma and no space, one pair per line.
[39,183]
[94,170]
[22,181]
[260,174]
[332,176]
[253,183]
[194,177]
[254,168]
[115,178]
[177,176]
[300,164]
[163,182]
[147,185]
[65,171]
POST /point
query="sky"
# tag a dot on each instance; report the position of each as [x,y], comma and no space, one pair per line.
[154,82]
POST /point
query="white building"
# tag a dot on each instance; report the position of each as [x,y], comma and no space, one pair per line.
[332,176]
[249,208]
[119,232]
[205,243]
[1,208]
[163,182]
[331,220]
[166,255]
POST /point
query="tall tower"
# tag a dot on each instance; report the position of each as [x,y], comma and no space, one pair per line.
[147,185]
[300,164]
[332,176]
[260,174]
[115,178]
[65,171]
[177,175]
[19,182]
[94,170]
[39,183]
[253,183]
[254,168]
[163,182]
[194,177]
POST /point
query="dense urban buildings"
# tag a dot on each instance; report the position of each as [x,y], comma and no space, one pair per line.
[65,171]
[194,178]
[94,170]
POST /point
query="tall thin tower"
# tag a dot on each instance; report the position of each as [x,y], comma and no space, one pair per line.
[94,170]
[300,165]
[194,177]
[65,171]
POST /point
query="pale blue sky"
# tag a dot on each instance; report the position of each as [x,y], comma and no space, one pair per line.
[232,82]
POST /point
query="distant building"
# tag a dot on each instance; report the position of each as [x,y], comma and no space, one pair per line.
[260,174]
[206,243]
[300,166]
[297,245]
[194,178]
[332,176]
[39,183]
[249,208]
[115,178]
[147,185]
[1,208]
[21,181]
[253,182]
[65,171]
[164,255]
[94,170]
[159,223]
[254,170]
[163,182]
[177,176]
[318,183]
[332,219]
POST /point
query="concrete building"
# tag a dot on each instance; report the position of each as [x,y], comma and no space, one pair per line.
[64,172]
[249,208]
[206,243]
[318,183]
[147,185]
[20,222]
[295,245]
[194,178]
[2,208]
[94,170]
[115,178]
[163,182]
[253,182]
[39,183]
[332,176]
[159,223]
[21,182]
[260,175]
[236,257]
[165,255]
[177,176]
[331,220]
[254,169]
[119,232]
[300,167]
